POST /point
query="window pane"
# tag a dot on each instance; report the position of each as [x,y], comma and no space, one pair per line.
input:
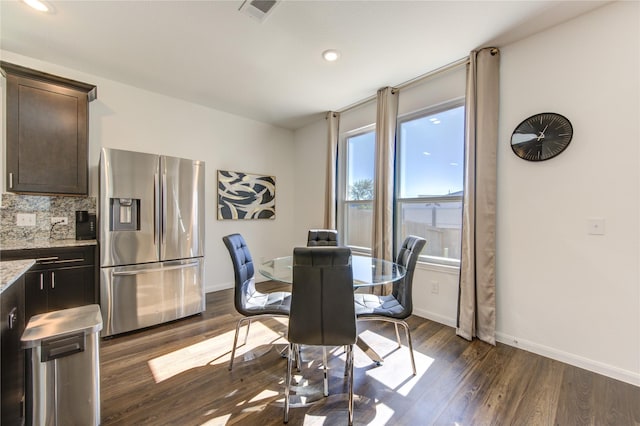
[438,222]
[360,162]
[430,171]
[358,224]
[432,154]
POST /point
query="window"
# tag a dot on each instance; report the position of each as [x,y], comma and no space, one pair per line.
[429,185]
[428,180]
[356,183]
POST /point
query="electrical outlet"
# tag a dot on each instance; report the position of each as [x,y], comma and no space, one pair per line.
[435,287]
[595,226]
[26,219]
[61,220]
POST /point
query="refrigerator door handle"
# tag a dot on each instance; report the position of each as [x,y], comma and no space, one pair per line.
[156,219]
[167,268]
[164,207]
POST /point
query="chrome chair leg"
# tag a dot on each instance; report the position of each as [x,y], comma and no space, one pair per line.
[395,324]
[408,333]
[235,342]
[287,381]
[324,369]
[246,335]
[350,364]
[349,360]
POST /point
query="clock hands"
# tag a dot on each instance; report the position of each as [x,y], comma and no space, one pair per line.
[541,135]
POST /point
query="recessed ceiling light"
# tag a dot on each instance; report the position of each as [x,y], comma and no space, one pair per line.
[331,55]
[37,5]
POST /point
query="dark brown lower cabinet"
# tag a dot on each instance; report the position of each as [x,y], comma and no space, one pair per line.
[61,278]
[58,288]
[12,325]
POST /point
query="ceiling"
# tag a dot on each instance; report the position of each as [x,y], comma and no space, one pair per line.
[209,53]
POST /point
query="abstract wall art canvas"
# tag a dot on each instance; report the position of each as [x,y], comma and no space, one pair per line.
[246,196]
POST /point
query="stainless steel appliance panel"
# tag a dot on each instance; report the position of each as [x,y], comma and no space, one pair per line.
[129,176]
[134,297]
[63,367]
[66,390]
[182,227]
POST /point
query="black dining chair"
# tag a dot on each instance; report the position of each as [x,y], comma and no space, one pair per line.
[322,237]
[397,306]
[248,301]
[322,309]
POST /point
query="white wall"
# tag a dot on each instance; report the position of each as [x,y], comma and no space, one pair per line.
[560,292]
[126,117]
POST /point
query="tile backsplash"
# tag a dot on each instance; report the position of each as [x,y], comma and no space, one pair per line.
[44,207]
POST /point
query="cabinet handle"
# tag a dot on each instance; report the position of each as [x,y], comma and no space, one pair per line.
[41,281]
[12,317]
[11,180]
[53,280]
[46,259]
[80,259]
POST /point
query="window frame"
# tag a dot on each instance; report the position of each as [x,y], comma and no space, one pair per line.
[398,201]
[343,202]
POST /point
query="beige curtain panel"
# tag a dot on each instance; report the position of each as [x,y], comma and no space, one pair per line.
[476,297]
[382,236]
[333,121]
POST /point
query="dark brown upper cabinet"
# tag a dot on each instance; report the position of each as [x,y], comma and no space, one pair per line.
[47,132]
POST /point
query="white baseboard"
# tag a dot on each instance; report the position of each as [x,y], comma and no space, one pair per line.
[217,287]
[546,351]
[572,359]
[451,322]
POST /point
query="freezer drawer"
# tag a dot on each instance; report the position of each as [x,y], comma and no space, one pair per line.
[134,297]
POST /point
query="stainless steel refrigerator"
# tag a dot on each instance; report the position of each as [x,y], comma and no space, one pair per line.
[151,234]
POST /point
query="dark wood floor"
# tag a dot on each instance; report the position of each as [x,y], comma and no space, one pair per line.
[176,374]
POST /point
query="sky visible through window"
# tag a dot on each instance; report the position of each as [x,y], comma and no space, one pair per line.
[431,155]
[361,158]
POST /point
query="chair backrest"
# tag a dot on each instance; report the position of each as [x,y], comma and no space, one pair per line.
[243,270]
[407,257]
[322,237]
[322,303]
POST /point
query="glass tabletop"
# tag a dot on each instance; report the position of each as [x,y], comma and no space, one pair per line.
[367,271]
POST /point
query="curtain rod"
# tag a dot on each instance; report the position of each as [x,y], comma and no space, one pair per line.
[409,83]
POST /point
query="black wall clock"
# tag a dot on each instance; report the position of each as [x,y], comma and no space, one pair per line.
[541,136]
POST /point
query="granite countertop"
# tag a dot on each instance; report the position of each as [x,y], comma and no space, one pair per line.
[11,270]
[43,244]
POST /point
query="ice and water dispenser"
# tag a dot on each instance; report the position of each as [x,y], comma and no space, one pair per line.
[125,214]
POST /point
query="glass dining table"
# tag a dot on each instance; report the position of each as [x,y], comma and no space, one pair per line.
[367,272]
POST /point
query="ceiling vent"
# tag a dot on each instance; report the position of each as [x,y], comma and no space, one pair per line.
[258,9]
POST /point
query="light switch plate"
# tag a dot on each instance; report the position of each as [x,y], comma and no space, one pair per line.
[595,226]
[26,219]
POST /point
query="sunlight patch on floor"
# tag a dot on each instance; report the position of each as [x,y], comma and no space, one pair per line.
[265,394]
[218,421]
[395,371]
[213,351]
[383,416]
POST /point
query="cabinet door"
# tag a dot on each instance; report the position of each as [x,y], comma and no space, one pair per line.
[35,292]
[47,131]
[70,287]
[12,359]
